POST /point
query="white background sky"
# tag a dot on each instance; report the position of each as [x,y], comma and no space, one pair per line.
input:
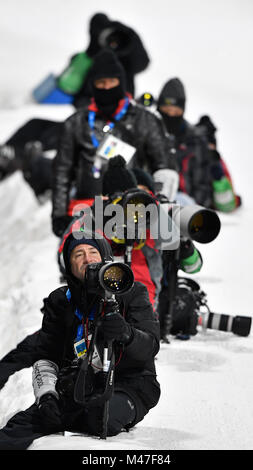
[207,382]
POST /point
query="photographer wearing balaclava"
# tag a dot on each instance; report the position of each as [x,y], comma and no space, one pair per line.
[189,146]
[203,173]
[111,114]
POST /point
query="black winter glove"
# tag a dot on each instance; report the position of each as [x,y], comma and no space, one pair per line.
[50,413]
[216,169]
[59,224]
[115,327]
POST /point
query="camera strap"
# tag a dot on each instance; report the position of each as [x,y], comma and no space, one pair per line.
[79,391]
[82,338]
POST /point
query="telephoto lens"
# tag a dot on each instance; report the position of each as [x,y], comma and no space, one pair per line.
[112,277]
[239,325]
[197,223]
[116,278]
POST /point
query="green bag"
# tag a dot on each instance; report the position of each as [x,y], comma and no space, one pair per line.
[223,195]
[71,80]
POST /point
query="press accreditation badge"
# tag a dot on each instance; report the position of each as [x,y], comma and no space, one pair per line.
[112,146]
[80,348]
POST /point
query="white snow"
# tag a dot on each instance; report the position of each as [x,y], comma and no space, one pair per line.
[207,382]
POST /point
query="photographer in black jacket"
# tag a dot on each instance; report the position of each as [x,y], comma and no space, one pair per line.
[43,134]
[125,43]
[70,315]
[111,114]
[204,176]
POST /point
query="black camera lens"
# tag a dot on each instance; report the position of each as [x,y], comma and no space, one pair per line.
[204,226]
[135,205]
[238,325]
[241,325]
[117,40]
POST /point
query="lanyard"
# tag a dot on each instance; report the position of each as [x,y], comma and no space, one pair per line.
[117,117]
[80,328]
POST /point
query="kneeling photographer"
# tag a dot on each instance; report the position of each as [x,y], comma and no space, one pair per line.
[94,366]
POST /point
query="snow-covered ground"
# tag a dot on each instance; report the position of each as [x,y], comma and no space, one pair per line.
[207,382]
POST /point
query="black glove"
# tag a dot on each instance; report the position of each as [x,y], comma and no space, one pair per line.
[59,224]
[115,327]
[50,413]
[216,169]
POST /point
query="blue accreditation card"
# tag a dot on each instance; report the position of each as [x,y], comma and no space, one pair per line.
[80,348]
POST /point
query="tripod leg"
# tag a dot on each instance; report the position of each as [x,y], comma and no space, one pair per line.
[105,420]
[108,367]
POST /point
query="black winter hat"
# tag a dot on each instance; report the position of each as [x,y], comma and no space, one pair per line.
[83,241]
[172,93]
[144,178]
[106,65]
[84,237]
[117,177]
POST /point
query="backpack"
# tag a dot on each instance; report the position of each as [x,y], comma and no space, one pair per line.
[188,299]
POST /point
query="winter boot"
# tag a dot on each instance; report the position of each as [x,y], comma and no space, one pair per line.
[31,151]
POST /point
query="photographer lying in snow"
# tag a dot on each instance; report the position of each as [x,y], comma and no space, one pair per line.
[71,314]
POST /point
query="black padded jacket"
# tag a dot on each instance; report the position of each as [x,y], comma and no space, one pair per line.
[135,371]
[73,165]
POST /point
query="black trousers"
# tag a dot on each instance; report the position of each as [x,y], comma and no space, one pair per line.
[41,174]
[26,426]
[47,132]
[40,168]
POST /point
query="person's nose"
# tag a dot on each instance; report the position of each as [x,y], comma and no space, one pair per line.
[107,86]
[88,258]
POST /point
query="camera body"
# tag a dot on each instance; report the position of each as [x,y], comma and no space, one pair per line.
[109,278]
[187,314]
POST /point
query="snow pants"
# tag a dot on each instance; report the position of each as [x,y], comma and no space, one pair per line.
[41,169]
[47,132]
[26,426]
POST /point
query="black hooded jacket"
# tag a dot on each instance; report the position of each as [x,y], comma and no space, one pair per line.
[131,53]
[189,145]
[75,158]
[194,160]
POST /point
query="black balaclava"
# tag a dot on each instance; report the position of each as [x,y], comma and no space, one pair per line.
[172,93]
[173,123]
[106,65]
